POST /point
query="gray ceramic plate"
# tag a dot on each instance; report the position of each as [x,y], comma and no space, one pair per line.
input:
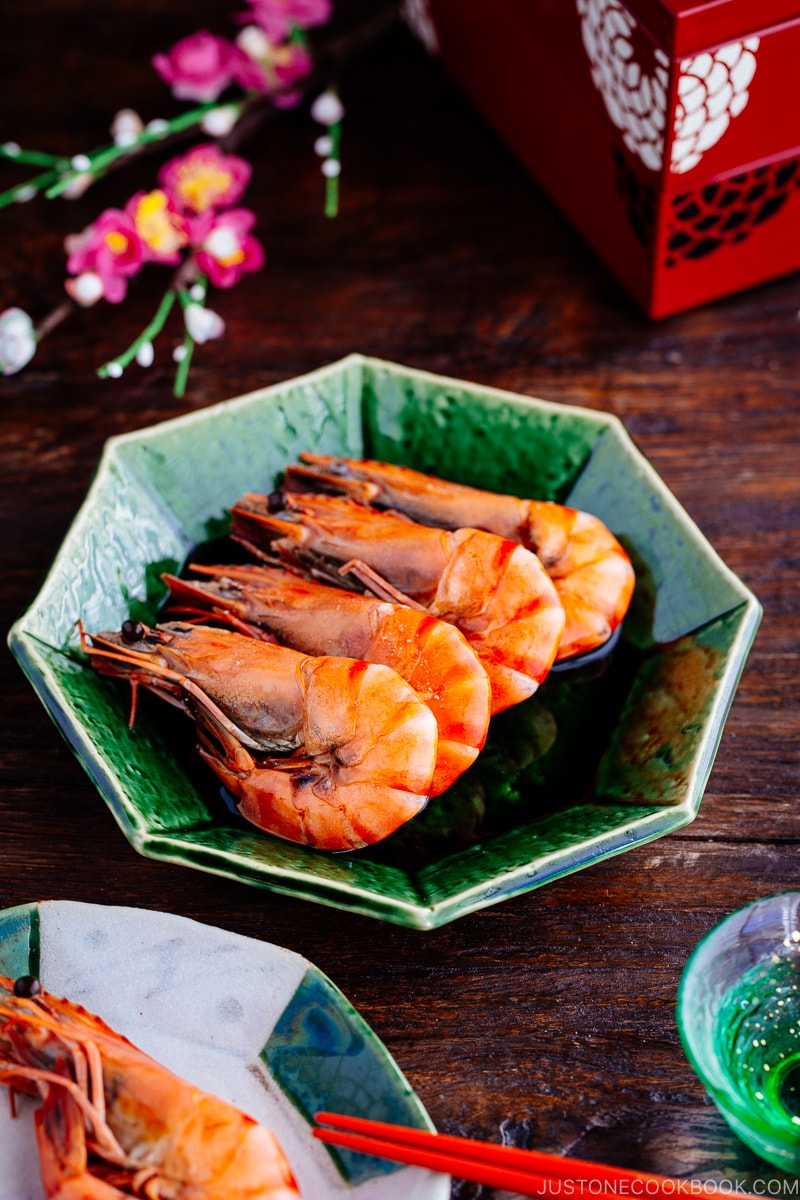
[602,759]
[250,1022]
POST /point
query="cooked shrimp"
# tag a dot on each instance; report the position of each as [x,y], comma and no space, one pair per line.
[115,1123]
[496,592]
[591,572]
[326,751]
[431,655]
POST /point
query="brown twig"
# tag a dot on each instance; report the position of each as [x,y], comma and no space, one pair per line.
[54,318]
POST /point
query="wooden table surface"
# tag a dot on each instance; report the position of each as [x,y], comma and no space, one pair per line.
[548,1016]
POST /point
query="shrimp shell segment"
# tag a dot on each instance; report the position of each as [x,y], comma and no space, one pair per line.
[591,571]
[431,655]
[495,591]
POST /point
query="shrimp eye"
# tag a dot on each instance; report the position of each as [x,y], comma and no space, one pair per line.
[276,501]
[27,986]
[132,631]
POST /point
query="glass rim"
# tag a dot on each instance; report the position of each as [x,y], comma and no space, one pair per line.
[727,1097]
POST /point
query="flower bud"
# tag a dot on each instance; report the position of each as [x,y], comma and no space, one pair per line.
[17,340]
[78,185]
[202,324]
[254,43]
[220,121]
[85,289]
[327,109]
[145,354]
[127,127]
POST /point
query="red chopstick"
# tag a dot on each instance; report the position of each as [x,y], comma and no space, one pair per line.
[526,1172]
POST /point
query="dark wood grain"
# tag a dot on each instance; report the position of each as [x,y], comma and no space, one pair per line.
[550,1015]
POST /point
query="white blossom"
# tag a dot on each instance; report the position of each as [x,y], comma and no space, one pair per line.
[417,15]
[202,324]
[85,289]
[145,354]
[327,109]
[254,42]
[222,243]
[17,340]
[127,127]
[220,121]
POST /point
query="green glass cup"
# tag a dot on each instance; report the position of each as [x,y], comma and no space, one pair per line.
[738,1016]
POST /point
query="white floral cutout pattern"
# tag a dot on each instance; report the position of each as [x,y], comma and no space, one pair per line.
[632,76]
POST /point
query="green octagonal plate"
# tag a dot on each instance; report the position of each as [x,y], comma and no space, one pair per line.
[603,758]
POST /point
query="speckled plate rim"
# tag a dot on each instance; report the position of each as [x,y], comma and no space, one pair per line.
[280,996]
[418,913]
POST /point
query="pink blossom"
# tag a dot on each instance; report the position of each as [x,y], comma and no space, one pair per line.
[248,74]
[111,249]
[162,229]
[225,249]
[278,17]
[205,178]
[290,64]
[280,65]
[201,66]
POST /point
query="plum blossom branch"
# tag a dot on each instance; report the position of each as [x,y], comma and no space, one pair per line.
[72,176]
[142,347]
[201,325]
[328,110]
[96,163]
[32,158]
[192,219]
